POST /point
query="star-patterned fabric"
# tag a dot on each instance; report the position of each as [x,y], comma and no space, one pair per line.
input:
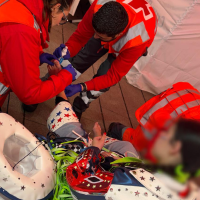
[62,114]
[119,192]
[109,140]
[151,188]
[26,167]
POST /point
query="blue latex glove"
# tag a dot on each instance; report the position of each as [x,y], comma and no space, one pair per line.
[70,69]
[46,58]
[72,89]
[58,52]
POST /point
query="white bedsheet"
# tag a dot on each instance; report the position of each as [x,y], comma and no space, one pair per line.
[175,53]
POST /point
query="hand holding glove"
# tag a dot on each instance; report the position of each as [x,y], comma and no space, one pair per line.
[54,70]
[47,58]
[72,89]
[58,52]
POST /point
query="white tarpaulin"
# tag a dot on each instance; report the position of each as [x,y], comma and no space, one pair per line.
[74,7]
[174,55]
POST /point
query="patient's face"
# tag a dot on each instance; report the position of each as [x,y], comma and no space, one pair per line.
[166,149]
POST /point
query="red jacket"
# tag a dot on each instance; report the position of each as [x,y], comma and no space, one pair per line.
[159,113]
[119,68]
[20,47]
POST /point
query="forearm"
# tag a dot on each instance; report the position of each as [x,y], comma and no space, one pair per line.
[83,32]
[35,91]
[119,68]
[103,82]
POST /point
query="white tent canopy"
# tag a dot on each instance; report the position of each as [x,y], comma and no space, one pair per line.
[174,55]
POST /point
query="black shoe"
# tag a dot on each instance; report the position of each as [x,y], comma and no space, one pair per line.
[29,108]
[115,130]
[79,106]
[109,133]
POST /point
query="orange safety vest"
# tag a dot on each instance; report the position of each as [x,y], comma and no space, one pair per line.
[15,12]
[141,28]
[180,100]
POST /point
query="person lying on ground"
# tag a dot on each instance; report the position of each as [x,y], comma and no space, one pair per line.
[94,174]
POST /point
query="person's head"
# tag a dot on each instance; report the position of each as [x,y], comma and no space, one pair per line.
[56,11]
[179,145]
[109,21]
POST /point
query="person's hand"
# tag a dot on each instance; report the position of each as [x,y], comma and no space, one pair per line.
[47,58]
[99,141]
[97,129]
[62,51]
[70,69]
[73,89]
[54,70]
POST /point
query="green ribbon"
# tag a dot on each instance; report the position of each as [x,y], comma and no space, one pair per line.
[181,176]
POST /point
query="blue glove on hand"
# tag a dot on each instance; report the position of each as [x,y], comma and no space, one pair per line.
[46,58]
[58,52]
[72,89]
[70,69]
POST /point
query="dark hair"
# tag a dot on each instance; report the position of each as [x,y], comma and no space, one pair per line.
[188,132]
[48,4]
[111,19]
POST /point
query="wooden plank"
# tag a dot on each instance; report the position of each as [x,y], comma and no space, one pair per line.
[34,127]
[15,108]
[110,116]
[42,112]
[133,99]
[112,101]
[5,106]
[147,95]
[88,125]
[68,30]
[56,38]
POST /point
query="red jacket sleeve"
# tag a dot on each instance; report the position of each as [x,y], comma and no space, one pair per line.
[118,69]
[20,65]
[83,33]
